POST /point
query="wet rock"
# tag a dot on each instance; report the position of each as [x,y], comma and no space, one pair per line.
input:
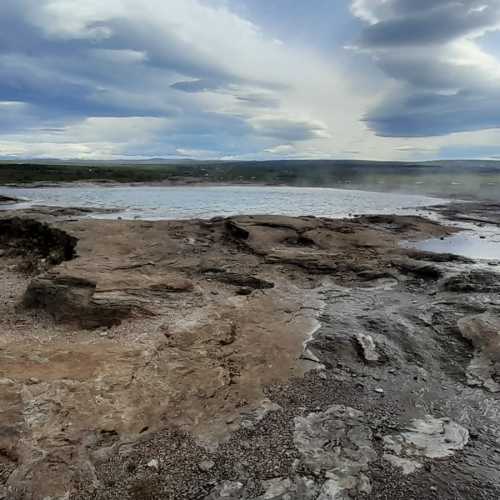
[372,275]
[477,281]
[338,443]
[8,199]
[419,269]
[477,212]
[437,257]
[483,331]
[425,438]
[368,348]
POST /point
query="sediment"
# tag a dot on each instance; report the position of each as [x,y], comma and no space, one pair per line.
[253,357]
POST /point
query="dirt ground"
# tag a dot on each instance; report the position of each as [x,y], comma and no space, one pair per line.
[255,357]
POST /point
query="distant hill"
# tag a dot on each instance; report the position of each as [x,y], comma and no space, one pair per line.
[458,178]
[252,164]
[466,163]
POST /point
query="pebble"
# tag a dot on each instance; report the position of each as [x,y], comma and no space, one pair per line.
[153,464]
[206,465]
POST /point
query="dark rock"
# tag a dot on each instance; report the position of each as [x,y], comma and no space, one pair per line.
[30,238]
[419,269]
[474,281]
[72,300]
[437,257]
[236,230]
[8,199]
[241,280]
[367,348]
[372,274]
[317,262]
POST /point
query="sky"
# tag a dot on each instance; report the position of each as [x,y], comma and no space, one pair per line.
[250,79]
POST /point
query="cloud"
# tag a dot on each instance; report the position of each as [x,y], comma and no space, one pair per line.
[197,85]
[288,129]
[443,82]
[203,154]
[234,79]
[281,150]
[74,61]
[259,99]
[401,22]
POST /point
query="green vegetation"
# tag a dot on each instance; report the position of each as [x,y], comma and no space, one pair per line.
[447,179]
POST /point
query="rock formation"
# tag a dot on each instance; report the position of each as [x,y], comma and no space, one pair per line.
[255,357]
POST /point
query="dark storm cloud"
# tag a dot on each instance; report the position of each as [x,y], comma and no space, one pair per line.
[288,130]
[423,115]
[198,85]
[446,83]
[433,25]
[54,75]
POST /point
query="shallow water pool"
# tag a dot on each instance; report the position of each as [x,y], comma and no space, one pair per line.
[474,245]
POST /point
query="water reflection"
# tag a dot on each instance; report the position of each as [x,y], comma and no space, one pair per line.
[468,244]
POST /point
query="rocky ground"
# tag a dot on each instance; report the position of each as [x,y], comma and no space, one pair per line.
[248,358]
[4,200]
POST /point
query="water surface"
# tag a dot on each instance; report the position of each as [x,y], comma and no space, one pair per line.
[471,244]
[185,202]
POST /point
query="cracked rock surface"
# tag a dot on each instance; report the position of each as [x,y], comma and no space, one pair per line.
[247,358]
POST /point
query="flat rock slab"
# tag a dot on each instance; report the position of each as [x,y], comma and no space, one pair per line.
[483,331]
[338,443]
[425,438]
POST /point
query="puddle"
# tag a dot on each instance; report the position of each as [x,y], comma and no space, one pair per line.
[473,245]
